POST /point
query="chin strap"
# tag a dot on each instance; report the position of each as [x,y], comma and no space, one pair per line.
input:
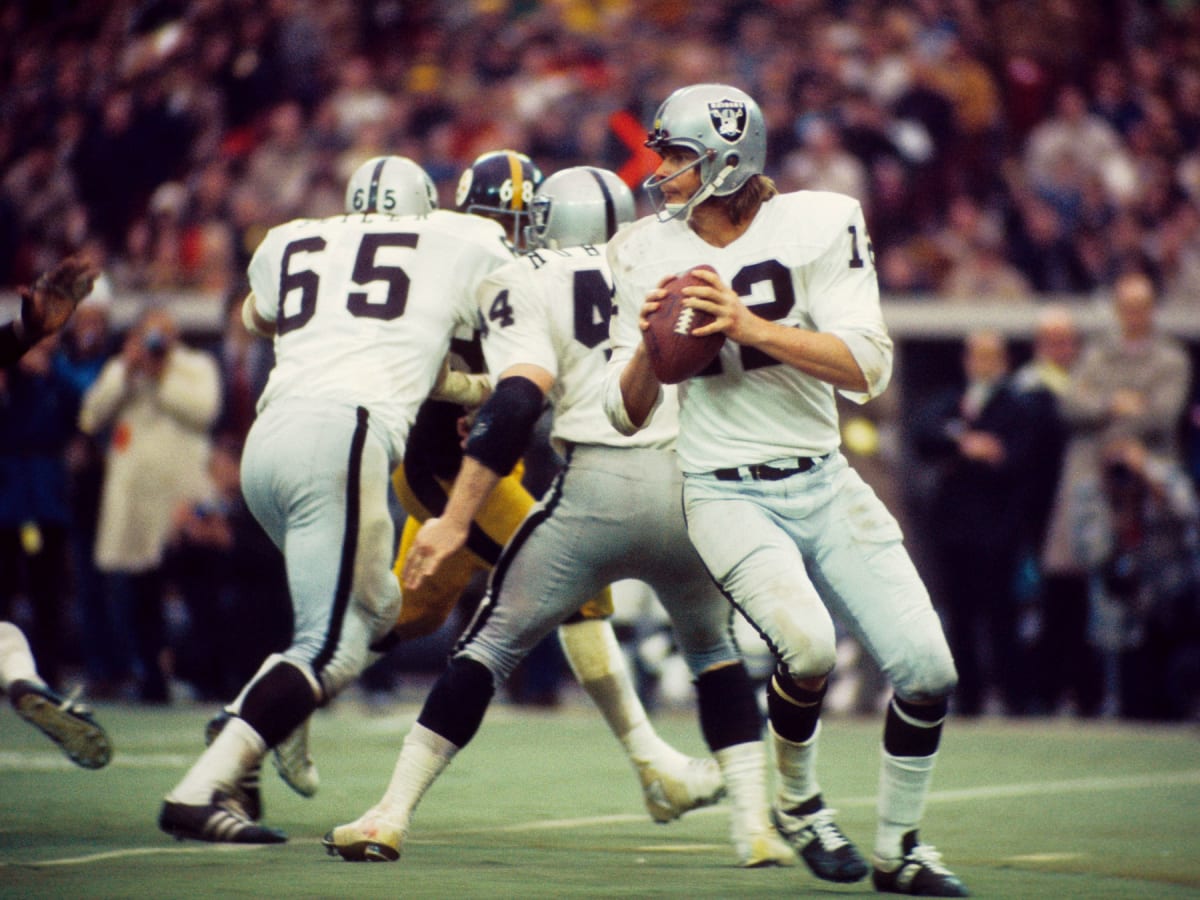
[685,209]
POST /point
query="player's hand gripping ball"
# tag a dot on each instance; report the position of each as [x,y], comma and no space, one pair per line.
[675,353]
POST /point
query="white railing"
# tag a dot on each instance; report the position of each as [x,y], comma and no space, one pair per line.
[908,316]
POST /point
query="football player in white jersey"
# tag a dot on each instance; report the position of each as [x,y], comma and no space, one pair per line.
[362,308]
[790,533]
[501,185]
[672,783]
[612,513]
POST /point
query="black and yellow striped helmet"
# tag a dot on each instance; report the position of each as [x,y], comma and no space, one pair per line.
[500,185]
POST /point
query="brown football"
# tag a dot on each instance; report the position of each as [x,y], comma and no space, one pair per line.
[675,353]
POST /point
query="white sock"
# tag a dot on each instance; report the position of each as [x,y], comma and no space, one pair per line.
[903,787]
[16,659]
[423,757]
[596,659]
[744,770]
[234,752]
[797,767]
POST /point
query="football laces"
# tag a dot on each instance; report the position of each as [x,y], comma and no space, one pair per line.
[683,322]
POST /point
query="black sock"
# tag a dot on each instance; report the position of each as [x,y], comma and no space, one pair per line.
[913,729]
[729,713]
[794,710]
[455,707]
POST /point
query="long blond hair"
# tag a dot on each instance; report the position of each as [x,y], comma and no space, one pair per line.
[740,206]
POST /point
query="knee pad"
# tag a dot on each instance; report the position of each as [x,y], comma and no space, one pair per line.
[343,657]
[343,667]
[817,660]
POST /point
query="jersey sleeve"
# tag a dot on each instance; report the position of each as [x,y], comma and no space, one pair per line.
[624,334]
[515,322]
[845,302]
[483,252]
[264,277]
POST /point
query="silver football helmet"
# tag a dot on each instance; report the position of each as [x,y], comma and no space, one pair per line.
[577,206]
[394,185]
[724,127]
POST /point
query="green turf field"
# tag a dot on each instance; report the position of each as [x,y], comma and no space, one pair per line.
[543,804]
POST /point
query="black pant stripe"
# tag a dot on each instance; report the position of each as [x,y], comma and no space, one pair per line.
[511,549]
[341,597]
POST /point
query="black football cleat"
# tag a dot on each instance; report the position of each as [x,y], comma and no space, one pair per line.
[919,873]
[219,821]
[827,852]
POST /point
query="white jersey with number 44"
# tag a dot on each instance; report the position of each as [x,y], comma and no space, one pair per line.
[364,306]
[551,309]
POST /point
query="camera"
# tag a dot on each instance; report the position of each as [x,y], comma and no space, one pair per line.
[155,342]
[1121,476]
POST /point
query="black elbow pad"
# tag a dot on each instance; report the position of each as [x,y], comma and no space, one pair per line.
[504,423]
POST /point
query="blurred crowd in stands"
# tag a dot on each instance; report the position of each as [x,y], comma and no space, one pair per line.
[1004,150]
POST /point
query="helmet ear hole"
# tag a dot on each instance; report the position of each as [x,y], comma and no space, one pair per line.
[725,126]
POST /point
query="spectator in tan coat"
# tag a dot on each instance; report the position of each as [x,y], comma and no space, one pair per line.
[158,399]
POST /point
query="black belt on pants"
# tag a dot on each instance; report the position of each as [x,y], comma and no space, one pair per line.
[763,472]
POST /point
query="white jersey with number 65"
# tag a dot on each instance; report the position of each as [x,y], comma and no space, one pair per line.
[364,306]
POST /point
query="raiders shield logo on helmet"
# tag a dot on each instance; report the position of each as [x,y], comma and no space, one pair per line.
[728,118]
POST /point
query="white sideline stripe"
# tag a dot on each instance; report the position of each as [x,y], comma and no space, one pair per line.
[135,851]
[1072,786]
[991,792]
[53,761]
[1046,857]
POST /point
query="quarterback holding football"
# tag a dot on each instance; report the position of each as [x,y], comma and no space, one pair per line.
[791,534]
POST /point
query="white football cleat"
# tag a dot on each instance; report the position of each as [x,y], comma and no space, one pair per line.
[761,847]
[370,838]
[672,788]
[295,764]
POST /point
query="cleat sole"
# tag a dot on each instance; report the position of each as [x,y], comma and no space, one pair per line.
[360,851]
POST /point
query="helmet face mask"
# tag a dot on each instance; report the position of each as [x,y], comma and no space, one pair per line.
[724,127]
[500,186]
[393,185]
[577,206]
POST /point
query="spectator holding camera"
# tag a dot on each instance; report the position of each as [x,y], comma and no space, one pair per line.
[157,399]
[1138,529]
[1128,385]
